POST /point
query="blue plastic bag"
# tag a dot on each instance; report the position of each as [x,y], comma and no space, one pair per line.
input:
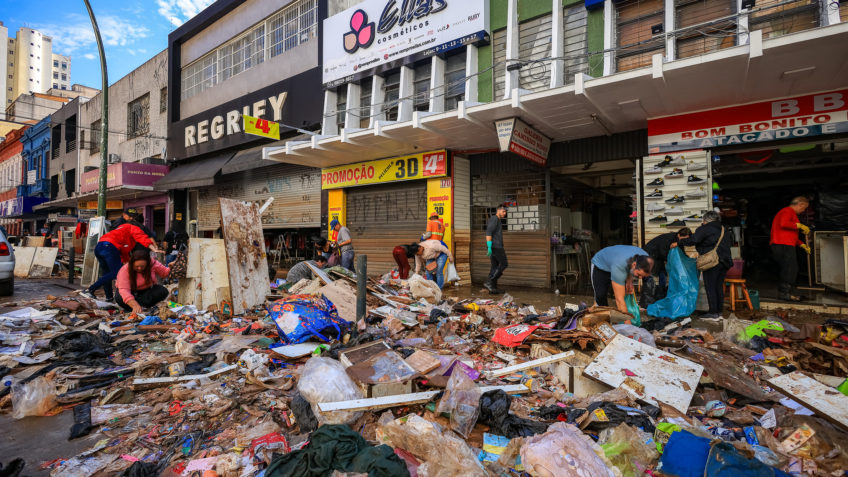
[300,317]
[633,309]
[682,288]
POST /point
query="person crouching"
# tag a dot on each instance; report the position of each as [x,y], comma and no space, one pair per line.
[137,282]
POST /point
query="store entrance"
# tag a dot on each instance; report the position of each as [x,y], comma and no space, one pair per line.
[751,186]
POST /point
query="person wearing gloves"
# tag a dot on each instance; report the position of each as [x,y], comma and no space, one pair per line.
[112,251]
[137,282]
[784,239]
[495,250]
[433,256]
[617,266]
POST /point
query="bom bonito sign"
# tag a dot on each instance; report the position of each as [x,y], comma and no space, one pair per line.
[794,117]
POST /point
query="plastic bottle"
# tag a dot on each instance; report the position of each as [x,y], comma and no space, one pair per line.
[9,381]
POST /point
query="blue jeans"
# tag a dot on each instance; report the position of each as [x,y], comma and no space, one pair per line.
[347,260]
[110,262]
[438,275]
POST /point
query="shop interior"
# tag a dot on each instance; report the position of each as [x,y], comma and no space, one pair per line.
[286,247]
[752,184]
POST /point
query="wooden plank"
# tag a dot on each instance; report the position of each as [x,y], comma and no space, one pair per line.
[189,291]
[529,364]
[23,261]
[43,262]
[193,257]
[404,399]
[214,282]
[247,263]
[321,274]
[650,374]
[175,379]
[343,297]
[423,362]
[824,400]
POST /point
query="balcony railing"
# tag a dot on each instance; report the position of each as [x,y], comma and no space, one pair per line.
[71,145]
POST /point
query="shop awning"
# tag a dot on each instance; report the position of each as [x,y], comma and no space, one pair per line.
[115,193]
[251,158]
[197,174]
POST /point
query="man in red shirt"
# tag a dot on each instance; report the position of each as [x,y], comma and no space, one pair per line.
[784,239]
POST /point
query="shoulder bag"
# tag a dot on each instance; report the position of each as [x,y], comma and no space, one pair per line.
[710,259]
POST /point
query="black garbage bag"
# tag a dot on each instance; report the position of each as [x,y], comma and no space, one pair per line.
[616,415]
[651,292]
[82,421]
[494,412]
[80,346]
[303,413]
[553,412]
[141,469]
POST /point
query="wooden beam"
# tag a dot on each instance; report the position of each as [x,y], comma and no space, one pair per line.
[529,364]
[404,399]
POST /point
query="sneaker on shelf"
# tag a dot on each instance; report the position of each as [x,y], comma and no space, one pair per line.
[655,195]
[696,194]
[660,219]
[677,161]
[654,207]
[675,200]
[658,182]
[674,211]
[676,172]
[677,223]
[693,179]
[695,166]
[666,161]
[656,169]
[694,218]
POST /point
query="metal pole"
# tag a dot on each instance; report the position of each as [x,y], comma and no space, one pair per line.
[361,284]
[104,116]
[71,262]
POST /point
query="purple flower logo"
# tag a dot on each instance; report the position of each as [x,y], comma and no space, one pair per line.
[361,33]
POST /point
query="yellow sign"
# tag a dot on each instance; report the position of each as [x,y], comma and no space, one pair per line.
[179,216]
[110,205]
[416,166]
[335,207]
[261,127]
[440,201]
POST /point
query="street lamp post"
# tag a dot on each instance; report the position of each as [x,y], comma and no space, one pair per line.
[104,117]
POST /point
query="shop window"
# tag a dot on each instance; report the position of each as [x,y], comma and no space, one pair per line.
[365,102]
[421,86]
[292,26]
[779,17]
[522,191]
[95,136]
[704,26]
[138,116]
[341,106]
[391,96]
[454,80]
[635,43]
[163,99]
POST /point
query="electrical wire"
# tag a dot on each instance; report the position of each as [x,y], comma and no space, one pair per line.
[85,128]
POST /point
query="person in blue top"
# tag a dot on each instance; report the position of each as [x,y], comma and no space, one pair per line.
[617,266]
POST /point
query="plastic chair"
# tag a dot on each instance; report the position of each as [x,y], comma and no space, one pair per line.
[738,292]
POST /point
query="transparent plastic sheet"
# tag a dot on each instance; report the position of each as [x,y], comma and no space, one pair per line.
[34,398]
[325,380]
[443,454]
[462,401]
[634,332]
[683,288]
[101,414]
[423,288]
[83,466]
[564,451]
[734,330]
[628,449]
[451,275]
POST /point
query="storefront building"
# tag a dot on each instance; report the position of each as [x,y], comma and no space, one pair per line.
[11,172]
[245,59]
[35,188]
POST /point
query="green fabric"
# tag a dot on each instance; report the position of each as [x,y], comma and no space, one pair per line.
[664,428]
[757,328]
[337,447]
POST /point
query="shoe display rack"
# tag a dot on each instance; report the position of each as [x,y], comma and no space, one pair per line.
[676,191]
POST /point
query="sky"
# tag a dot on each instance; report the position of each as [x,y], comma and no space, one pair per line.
[133,31]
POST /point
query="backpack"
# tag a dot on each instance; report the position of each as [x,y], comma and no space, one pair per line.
[300,317]
[179,267]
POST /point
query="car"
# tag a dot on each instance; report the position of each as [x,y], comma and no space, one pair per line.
[7,265]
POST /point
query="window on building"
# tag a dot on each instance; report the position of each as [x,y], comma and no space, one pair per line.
[421,86]
[454,80]
[64,65]
[64,77]
[365,102]
[704,26]
[292,26]
[55,85]
[391,95]
[778,17]
[635,42]
[95,136]
[64,87]
[55,75]
[71,134]
[55,63]
[70,182]
[138,116]
[163,99]
[242,54]
[341,106]
[54,186]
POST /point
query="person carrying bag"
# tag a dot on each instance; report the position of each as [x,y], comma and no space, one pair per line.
[714,260]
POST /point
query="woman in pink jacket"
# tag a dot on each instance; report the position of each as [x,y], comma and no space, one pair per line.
[137,287]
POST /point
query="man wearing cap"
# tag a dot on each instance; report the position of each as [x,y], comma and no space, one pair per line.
[784,239]
[343,240]
[495,250]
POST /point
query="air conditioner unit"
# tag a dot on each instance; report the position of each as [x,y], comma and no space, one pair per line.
[114,158]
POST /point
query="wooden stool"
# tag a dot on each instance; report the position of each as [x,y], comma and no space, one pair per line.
[738,289]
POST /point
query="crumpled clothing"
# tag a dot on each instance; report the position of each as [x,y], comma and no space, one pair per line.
[494,412]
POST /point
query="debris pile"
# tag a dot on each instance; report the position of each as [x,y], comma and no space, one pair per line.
[424,386]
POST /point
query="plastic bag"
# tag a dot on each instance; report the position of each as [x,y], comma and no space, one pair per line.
[451,275]
[34,398]
[101,414]
[325,380]
[423,288]
[635,333]
[462,401]
[300,317]
[683,286]
[633,309]
[564,451]
[628,449]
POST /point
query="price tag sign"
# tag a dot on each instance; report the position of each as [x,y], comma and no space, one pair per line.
[261,127]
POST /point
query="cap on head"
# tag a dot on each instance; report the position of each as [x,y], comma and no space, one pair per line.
[333,223]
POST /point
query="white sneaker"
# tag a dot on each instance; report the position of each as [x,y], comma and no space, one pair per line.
[674,211]
[656,169]
[696,166]
[87,294]
[677,161]
[696,194]
[655,207]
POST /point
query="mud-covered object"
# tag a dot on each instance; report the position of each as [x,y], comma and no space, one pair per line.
[82,421]
[81,345]
[494,412]
[616,415]
[303,413]
[13,468]
[141,469]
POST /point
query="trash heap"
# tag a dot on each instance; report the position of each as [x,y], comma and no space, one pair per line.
[424,386]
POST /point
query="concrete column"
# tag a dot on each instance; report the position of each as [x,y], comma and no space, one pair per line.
[471,70]
[328,122]
[557,33]
[437,85]
[354,93]
[609,36]
[511,77]
[742,35]
[377,114]
[406,87]
[830,12]
[668,30]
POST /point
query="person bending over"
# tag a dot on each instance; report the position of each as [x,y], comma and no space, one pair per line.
[137,282]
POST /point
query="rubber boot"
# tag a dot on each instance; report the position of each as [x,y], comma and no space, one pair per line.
[489,287]
[495,290]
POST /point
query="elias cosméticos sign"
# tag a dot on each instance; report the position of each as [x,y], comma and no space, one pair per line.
[377,35]
[788,118]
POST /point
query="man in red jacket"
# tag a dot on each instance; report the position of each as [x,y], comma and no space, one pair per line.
[784,239]
[112,251]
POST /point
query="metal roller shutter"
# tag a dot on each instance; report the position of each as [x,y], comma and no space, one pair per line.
[534,43]
[296,191]
[382,217]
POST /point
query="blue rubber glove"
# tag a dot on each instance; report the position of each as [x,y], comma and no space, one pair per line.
[489,248]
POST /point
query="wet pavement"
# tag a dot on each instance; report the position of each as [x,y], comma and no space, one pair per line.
[36,289]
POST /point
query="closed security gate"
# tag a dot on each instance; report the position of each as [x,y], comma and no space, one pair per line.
[384,216]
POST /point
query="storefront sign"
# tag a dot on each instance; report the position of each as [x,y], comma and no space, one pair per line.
[514,135]
[19,206]
[86,214]
[124,174]
[92,205]
[377,35]
[406,168]
[795,117]
[261,127]
[440,201]
[30,177]
[336,203]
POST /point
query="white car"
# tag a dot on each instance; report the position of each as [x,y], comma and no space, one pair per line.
[7,265]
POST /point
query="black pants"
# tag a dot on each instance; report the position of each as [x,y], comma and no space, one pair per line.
[714,286]
[499,264]
[787,259]
[145,298]
[601,283]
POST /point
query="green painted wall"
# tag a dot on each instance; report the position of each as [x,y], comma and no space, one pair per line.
[595,41]
[485,84]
